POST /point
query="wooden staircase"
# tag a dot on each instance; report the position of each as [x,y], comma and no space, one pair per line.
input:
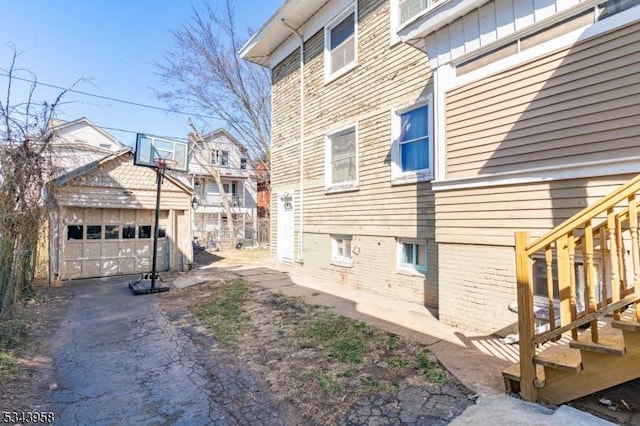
[591,267]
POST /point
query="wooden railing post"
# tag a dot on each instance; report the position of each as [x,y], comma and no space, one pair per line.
[526,326]
[589,271]
[564,279]
[613,259]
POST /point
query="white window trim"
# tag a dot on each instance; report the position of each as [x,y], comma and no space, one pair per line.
[328,178]
[407,268]
[398,177]
[335,258]
[328,75]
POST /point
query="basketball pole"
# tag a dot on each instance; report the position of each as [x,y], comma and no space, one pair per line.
[156,230]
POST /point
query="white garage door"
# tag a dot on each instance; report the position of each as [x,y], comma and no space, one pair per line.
[103,242]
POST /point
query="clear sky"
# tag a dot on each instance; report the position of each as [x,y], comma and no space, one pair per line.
[112,44]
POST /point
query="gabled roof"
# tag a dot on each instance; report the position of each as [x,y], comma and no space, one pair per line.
[89,167]
[212,136]
[86,122]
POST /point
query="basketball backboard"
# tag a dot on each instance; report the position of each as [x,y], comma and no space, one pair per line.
[149,148]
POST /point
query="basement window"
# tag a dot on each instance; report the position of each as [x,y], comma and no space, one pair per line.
[341,250]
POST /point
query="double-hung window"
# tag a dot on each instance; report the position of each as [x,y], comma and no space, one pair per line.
[412,153]
[340,44]
[341,160]
[220,158]
[412,255]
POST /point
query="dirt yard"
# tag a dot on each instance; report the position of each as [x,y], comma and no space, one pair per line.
[322,363]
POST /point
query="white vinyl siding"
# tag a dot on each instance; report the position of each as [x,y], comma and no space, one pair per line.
[340,44]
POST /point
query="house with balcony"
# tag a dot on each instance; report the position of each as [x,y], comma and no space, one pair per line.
[223,154]
[412,140]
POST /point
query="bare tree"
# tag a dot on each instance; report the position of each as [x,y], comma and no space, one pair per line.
[25,165]
[199,153]
[205,73]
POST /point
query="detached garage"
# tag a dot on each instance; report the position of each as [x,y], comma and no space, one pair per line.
[103,219]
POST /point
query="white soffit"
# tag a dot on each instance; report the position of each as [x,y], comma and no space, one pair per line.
[273,33]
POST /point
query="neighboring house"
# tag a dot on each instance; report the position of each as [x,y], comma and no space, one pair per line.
[238,176]
[426,133]
[79,142]
[103,219]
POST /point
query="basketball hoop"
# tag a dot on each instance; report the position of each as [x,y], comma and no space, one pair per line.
[164,163]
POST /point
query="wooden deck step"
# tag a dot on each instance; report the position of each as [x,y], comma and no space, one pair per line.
[560,357]
[624,324]
[513,373]
[610,341]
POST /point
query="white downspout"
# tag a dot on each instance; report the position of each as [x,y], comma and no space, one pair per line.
[301,224]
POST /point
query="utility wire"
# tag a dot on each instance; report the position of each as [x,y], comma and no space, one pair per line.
[108,98]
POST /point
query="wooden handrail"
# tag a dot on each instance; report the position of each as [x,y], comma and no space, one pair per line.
[585,215]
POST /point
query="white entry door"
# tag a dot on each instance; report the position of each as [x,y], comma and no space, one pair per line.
[285,226]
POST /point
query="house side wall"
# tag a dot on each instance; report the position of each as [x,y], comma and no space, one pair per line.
[374,268]
[285,135]
[575,106]
[376,213]
[572,108]
[386,77]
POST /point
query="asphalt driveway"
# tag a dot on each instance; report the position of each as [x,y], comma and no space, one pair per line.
[119,360]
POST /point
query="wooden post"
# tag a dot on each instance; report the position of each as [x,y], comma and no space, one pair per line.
[589,278]
[635,252]
[525,318]
[550,302]
[573,304]
[564,279]
[613,259]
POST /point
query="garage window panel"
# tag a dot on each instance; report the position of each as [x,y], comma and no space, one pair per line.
[111,232]
[128,232]
[162,231]
[75,232]
[144,231]
[94,232]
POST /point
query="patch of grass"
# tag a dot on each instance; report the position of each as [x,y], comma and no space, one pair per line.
[328,383]
[8,365]
[370,384]
[224,315]
[398,364]
[345,339]
[432,370]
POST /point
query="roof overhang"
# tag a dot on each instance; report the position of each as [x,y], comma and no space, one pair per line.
[273,33]
[432,19]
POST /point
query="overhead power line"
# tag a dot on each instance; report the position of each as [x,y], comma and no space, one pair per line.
[108,98]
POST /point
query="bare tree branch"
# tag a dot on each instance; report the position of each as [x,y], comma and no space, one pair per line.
[204,73]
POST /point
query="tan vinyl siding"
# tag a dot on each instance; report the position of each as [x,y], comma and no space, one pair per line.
[398,72]
[491,215]
[574,106]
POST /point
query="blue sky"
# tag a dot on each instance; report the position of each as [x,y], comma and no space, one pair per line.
[111,45]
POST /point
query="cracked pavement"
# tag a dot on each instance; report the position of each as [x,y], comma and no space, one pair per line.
[119,360]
